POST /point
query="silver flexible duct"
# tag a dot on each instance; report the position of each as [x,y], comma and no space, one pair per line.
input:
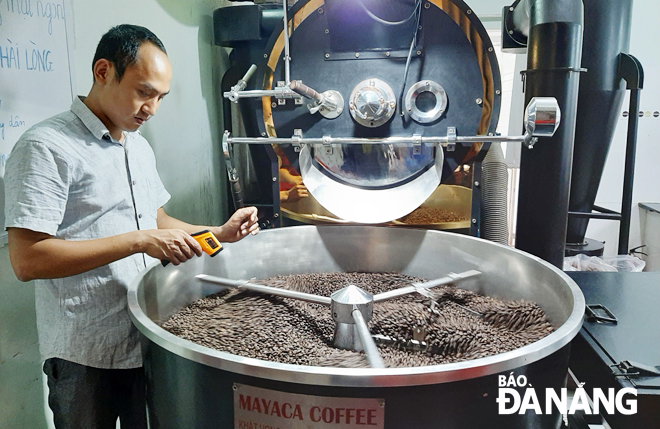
[494,179]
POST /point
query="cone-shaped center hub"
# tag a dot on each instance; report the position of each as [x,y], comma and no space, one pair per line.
[345,300]
[351,295]
[343,303]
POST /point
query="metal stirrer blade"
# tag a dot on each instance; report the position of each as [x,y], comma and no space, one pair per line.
[450,278]
[247,285]
[368,344]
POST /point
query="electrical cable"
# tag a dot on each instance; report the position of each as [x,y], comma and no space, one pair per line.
[418,10]
[384,22]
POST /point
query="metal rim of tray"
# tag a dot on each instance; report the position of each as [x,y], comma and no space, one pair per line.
[325,220]
[364,377]
[320,219]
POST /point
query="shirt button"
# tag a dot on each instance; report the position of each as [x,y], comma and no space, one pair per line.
[133,182]
[139,216]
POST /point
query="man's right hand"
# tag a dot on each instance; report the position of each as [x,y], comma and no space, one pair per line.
[174,245]
[36,255]
[296,193]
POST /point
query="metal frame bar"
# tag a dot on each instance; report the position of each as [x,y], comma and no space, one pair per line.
[328,140]
[629,172]
[606,216]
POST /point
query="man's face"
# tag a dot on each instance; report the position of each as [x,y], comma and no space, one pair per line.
[130,102]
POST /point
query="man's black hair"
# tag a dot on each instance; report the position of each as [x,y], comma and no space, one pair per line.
[120,46]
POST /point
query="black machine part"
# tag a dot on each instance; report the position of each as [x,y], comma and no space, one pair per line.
[338,60]
[605,66]
[553,69]
[340,52]
[625,353]
[607,35]
[589,247]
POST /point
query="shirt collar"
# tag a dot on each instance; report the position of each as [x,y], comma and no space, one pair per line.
[92,122]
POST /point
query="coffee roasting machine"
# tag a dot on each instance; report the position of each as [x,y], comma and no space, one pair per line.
[445,94]
[380,107]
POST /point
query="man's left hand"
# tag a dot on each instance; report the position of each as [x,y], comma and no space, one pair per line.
[243,222]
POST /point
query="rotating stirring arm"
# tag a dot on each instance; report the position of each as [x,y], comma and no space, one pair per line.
[450,278]
[368,343]
[246,285]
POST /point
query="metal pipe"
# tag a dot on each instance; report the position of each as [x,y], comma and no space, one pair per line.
[386,140]
[413,345]
[553,69]
[285,293]
[287,58]
[234,93]
[248,74]
[368,344]
[607,216]
[300,88]
[450,278]
[254,93]
[494,180]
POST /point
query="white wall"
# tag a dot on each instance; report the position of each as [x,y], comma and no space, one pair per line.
[487,8]
[645,36]
[185,131]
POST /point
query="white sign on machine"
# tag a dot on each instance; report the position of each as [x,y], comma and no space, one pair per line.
[257,408]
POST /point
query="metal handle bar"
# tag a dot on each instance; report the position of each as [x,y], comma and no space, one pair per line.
[328,140]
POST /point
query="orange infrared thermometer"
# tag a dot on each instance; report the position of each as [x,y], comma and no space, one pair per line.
[209,243]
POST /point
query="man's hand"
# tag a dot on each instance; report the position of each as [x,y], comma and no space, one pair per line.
[175,245]
[36,255]
[296,193]
[240,224]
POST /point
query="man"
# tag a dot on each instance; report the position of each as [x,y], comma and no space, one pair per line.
[84,215]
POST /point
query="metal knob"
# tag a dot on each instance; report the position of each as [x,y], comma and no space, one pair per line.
[372,103]
[369,104]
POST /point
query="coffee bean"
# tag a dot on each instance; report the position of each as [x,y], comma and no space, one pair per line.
[291,331]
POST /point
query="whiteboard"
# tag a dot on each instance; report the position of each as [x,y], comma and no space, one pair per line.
[36,73]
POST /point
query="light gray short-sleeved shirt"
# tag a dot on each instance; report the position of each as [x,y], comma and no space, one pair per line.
[68,178]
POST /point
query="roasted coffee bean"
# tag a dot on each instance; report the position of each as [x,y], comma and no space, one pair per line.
[424,215]
[456,324]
